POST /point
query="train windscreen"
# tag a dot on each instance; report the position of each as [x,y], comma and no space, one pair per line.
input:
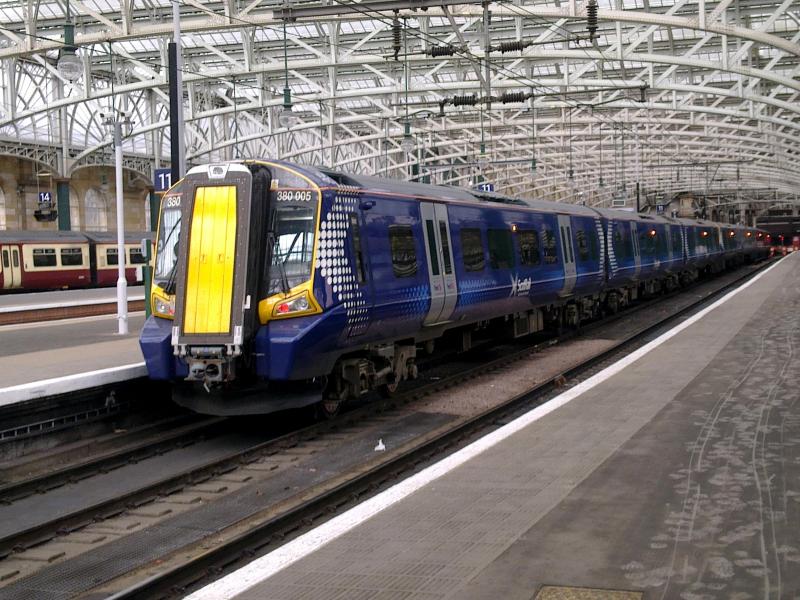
[292,228]
[169,231]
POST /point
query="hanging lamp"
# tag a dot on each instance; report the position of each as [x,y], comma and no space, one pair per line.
[287,117]
[69,65]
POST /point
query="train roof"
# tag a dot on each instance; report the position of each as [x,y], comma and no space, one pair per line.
[447,193]
[61,237]
[104,237]
[327,177]
[68,237]
[627,215]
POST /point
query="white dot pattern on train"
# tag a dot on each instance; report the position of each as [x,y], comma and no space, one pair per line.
[333,265]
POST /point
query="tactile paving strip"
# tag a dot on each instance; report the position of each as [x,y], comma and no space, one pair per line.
[559,592]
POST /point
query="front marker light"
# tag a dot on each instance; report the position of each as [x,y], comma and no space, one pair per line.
[293,305]
[164,308]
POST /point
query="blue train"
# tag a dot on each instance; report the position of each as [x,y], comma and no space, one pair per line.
[278,286]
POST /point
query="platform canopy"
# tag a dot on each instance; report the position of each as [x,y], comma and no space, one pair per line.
[672,94]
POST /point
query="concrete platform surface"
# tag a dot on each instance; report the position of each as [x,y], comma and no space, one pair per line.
[33,355]
[676,477]
[64,298]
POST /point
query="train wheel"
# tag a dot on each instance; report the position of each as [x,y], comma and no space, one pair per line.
[387,390]
[328,408]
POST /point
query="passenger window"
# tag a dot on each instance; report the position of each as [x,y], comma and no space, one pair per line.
[448,267]
[15,258]
[528,248]
[661,244]
[44,257]
[358,253]
[501,249]
[136,257]
[594,250]
[472,249]
[583,246]
[549,248]
[645,243]
[432,246]
[630,243]
[5,259]
[71,257]
[404,254]
[676,243]
[620,247]
[111,257]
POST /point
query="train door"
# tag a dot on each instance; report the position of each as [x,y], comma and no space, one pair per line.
[568,253]
[93,262]
[439,254]
[359,223]
[12,267]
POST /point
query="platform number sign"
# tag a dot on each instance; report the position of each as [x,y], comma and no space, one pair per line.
[45,199]
[484,187]
[162,180]
[660,209]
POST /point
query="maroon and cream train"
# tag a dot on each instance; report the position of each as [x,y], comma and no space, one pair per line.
[46,260]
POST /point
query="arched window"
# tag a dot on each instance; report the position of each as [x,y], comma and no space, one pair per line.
[95,211]
[74,210]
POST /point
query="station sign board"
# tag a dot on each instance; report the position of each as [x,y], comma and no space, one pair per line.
[484,187]
[162,180]
[46,199]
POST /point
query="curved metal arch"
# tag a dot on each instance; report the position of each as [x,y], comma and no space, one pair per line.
[108,30]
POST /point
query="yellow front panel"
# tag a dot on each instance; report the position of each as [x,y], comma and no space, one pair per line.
[212,250]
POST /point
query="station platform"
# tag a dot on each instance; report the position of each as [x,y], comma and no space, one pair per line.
[65,298]
[673,473]
[42,359]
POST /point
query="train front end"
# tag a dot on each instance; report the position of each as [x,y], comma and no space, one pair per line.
[234,252]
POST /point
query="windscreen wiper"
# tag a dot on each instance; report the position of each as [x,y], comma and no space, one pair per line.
[281,269]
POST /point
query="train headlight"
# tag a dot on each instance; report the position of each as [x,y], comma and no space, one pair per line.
[292,306]
[164,308]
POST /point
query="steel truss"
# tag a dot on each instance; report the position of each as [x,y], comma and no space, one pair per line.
[723,82]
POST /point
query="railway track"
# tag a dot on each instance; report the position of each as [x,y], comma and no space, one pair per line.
[320,497]
[17,315]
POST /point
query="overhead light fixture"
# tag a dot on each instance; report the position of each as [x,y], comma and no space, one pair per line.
[287,117]
[69,65]
[407,144]
[483,160]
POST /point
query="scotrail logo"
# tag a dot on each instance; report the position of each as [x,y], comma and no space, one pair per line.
[519,286]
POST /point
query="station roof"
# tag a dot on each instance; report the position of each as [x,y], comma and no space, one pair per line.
[662,95]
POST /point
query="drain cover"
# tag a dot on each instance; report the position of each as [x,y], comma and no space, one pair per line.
[559,592]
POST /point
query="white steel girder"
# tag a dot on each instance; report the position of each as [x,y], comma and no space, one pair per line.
[723,84]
